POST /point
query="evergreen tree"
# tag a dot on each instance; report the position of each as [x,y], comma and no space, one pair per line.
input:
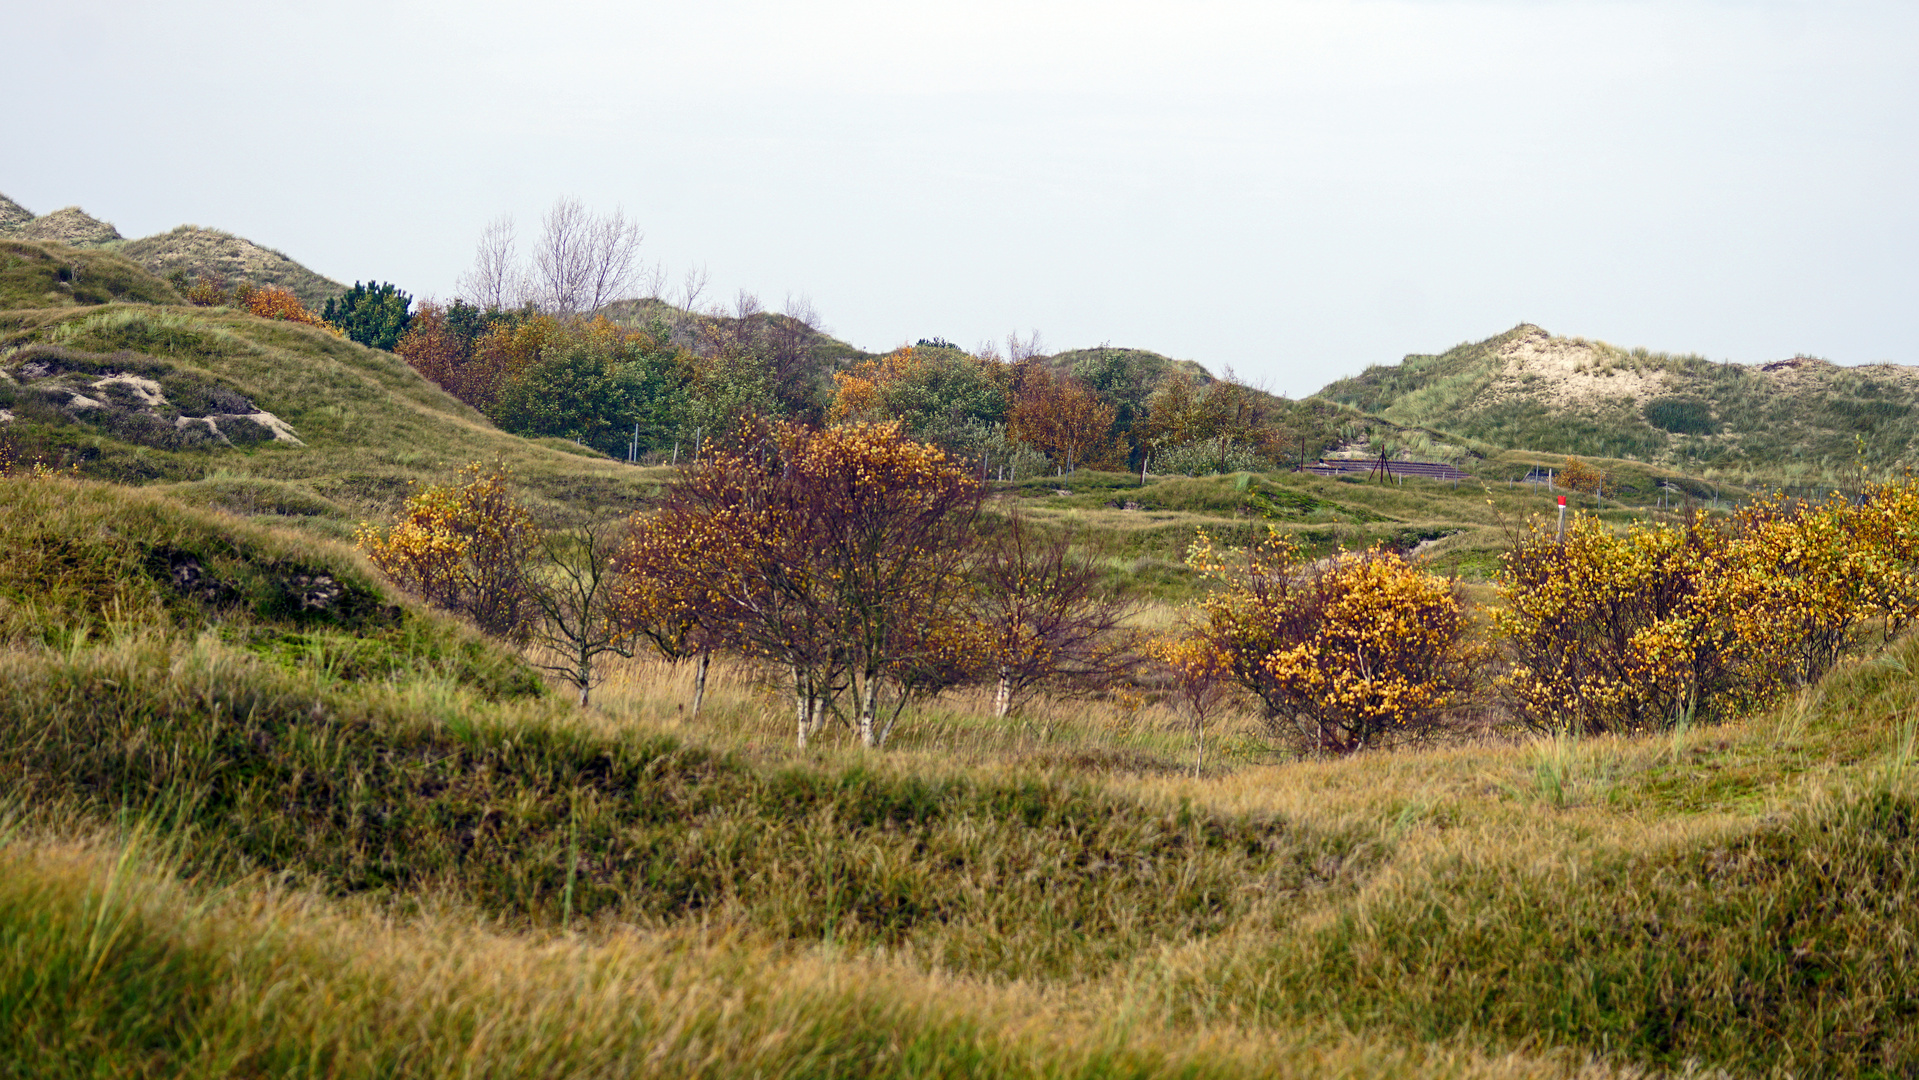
[373,314]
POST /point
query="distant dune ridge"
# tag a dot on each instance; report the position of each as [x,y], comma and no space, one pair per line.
[189,251]
[13,216]
[1525,389]
[193,249]
[1528,389]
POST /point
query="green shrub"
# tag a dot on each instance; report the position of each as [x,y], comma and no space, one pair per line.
[373,314]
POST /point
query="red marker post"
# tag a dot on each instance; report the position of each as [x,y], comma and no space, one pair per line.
[1562,519]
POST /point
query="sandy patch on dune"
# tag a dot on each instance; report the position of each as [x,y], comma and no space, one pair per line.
[1570,372]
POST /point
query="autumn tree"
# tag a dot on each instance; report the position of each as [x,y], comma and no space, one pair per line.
[837,554]
[666,592]
[1062,418]
[1346,652]
[1580,475]
[1045,617]
[465,547]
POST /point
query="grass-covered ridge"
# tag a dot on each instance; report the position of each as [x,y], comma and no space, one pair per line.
[40,275]
[1800,418]
[367,425]
[190,251]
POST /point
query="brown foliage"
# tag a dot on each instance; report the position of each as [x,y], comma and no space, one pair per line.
[1063,419]
[273,302]
[836,553]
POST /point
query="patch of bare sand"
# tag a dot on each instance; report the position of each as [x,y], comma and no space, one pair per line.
[1573,372]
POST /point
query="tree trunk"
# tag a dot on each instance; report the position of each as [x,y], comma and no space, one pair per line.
[869,706]
[699,680]
[1003,696]
[802,705]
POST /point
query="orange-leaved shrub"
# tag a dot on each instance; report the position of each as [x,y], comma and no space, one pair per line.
[273,302]
[1583,476]
[1347,652]
[465,547]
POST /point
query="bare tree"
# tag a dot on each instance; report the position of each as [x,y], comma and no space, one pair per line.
[496,281]
[650,284]
[584,262]
[801,310]
[579,608]
[1017,350]
[1046,616]
[613,248]
[560,262]
[692,287]
[746,305]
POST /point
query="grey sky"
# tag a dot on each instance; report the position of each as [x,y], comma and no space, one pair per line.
[1295,190]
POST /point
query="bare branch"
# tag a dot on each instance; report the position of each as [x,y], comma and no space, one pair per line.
[613,250]
[801,310]
[496,281]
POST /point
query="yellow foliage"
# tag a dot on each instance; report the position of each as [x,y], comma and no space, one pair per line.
[1624,631]
[1583,476]
[465,548]
[1350,650]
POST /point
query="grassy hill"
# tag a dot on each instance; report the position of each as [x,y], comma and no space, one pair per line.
[1801,418]
[101,368]
[13,216]
[181,255]
[191,250]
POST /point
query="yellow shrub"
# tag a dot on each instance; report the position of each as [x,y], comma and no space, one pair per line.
[465,548]
[1346,652]
[1626,631]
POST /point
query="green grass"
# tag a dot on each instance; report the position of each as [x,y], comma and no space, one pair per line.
[369,424]
[42,275]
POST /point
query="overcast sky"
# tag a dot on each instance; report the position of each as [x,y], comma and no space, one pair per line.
[1293,189]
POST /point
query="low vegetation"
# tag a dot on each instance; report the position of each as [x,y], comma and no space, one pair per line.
[209,785]
[891,736]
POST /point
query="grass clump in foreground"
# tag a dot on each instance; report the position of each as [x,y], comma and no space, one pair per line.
[437,881]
